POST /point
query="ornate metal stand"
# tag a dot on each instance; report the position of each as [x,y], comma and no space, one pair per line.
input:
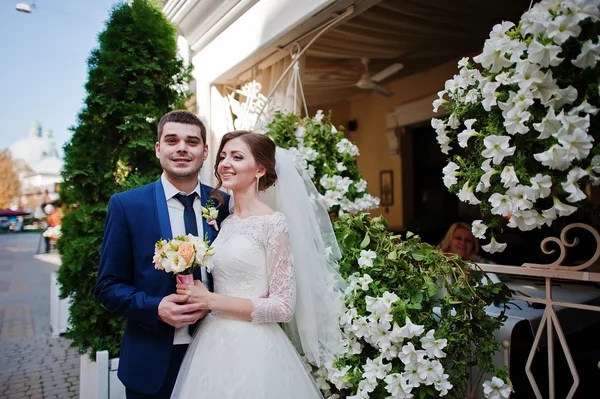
[550,321]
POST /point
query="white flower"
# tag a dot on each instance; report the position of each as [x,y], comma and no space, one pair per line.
[463,62]
[501,204]
[520,196]
[526,220]
[484,181]
[515,120]
[466,195]
[489,95]
[409,354]
[563,209]
[300,130]
[453,121]
[410,330]
[508,177]
[361,185]
[444,142]
[443,385]
[398,386]
[541,184]
[590,54]
[364,282]
[496,389]
[344,146]
[366,258]
[556,157]
[450,172]
[578,144]
[497,147]
[433,346]
[571,186]
[319,116]
[549,126]
[466,134]
[560,97]
[503,78]
[150,119]
[478,229]
[544,55]
[310,171]
[493,57]
[494,246]
[562,28]
[430,371]
[340,167]
[333,130]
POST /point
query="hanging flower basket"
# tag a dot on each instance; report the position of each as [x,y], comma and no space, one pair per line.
[522,128]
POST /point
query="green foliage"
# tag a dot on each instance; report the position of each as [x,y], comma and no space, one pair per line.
[329,158]
[134,78]
[437,291]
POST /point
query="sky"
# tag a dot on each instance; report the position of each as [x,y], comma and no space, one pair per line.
[43,64]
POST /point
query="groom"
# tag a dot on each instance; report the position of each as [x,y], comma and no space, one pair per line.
[158,322]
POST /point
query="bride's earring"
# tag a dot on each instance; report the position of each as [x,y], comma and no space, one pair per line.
[257,183]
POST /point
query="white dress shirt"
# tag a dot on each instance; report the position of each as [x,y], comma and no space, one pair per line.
[176,208]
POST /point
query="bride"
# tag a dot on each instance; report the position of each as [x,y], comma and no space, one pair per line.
[273,264]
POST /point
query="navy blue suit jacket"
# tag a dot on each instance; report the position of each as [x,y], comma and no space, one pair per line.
[129,285]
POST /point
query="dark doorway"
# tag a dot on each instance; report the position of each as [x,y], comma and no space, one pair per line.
[434,208]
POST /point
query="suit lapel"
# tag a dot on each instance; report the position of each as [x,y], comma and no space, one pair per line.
[209,230]
[162,211]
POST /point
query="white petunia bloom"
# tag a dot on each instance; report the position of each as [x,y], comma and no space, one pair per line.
[503,78]
[496,389]
[515,120]
[578,144]
[409,354]
[453,121]
[450,172]
[462,63]
[433,347]
[563,209]
[361,185]
[541,184]
[497,147]
[364,282]
[150,119]
[484,181]
[345,146]
[398,386]
[410,330]
[526,220]
[555,158]
[465,194]
[443,385]
[571,186]
[501,204]
[366,258]
[465,135]
[340,167]
[494,246]
[319,115]
[562,28]
[549,126]
[478,229]
[489,95]
[561,97]
[544,55]
[508,177]
[430,371]
[589,56]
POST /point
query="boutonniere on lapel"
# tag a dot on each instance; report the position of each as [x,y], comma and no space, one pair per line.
[210,213]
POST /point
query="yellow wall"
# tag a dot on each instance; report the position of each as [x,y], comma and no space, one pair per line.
[370,110]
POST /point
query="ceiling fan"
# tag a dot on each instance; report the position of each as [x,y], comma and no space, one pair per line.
[368,82]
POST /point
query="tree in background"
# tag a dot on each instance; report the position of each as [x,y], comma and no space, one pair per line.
[10,185]
[134,77]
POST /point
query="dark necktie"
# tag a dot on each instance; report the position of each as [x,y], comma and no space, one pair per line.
[189,216]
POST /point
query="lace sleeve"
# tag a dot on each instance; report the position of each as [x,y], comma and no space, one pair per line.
[279,306]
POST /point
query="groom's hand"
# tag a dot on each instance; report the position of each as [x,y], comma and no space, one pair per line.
[174,311]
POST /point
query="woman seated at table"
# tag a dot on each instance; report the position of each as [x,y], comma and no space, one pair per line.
[459,240]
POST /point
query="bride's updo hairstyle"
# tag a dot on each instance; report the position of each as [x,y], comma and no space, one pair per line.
[263,151]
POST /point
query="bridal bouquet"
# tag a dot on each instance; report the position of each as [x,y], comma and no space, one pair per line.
[522,131]
[181,255]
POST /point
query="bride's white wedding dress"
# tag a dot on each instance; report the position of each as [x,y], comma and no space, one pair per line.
[230,358]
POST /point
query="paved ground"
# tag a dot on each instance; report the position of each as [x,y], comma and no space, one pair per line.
[33,364]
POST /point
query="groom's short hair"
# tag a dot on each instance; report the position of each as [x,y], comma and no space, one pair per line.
[182,116]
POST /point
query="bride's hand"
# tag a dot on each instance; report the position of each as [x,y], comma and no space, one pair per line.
[197,292]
